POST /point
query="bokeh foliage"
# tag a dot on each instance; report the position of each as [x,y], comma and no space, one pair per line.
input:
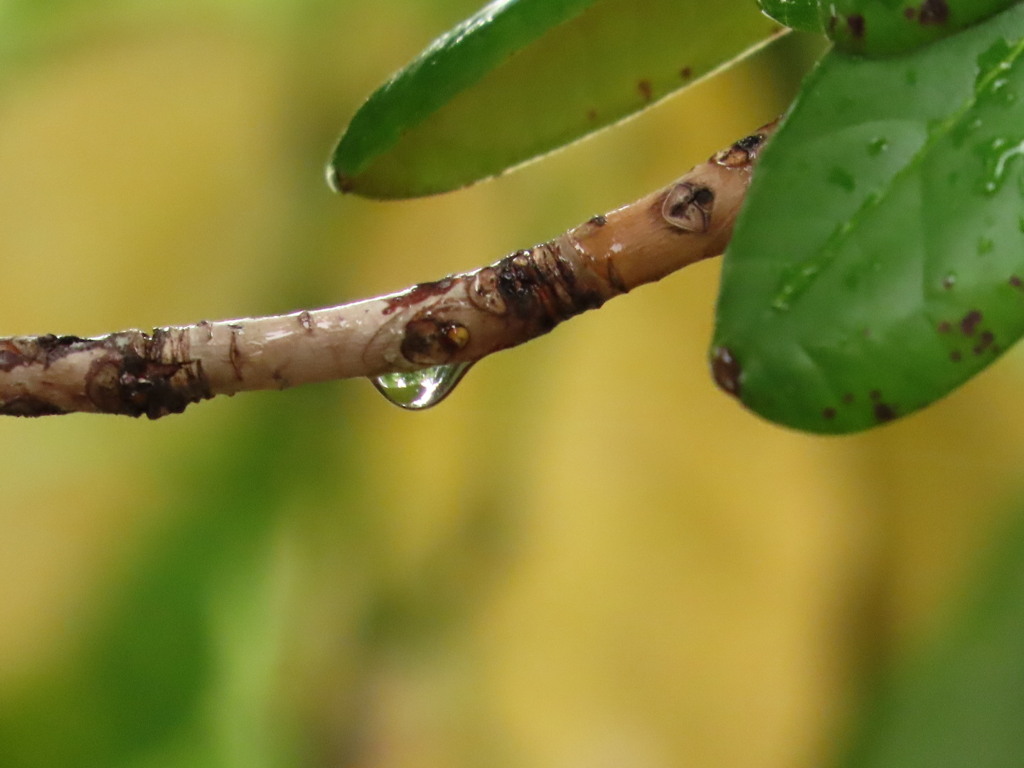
[586,555]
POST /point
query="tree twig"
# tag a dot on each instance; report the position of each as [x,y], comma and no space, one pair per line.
[458,319]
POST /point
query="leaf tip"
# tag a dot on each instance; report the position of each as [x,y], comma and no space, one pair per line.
[338,182]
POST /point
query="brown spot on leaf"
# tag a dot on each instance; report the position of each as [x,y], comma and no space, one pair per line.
[646,89]
[970,321]
[855,23]
[338,181]
[884,412]
[984,342]
[686,73]
[726,370]
[848,398]
[829,413]
[944,327]
[933,12]
[1016,282]
[955,356]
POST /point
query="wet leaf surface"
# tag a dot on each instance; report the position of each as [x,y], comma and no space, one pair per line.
[881,27]
[879,262]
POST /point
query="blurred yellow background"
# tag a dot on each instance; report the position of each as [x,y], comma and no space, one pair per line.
[587,556]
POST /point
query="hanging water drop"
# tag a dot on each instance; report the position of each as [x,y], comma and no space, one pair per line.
[416,390]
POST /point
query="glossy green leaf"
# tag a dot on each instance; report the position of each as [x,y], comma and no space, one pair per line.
[883,27]
[798,14]
[523,77]
[959,701]
[879,260]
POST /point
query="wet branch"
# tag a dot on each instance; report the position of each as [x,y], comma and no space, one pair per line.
[453,321]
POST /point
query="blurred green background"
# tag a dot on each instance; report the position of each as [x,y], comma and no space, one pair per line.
[587,556]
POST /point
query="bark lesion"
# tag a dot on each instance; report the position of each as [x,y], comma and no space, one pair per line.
[29,405]
[687,207]
[547,284]
[140,386]
[18,351]
[130,373]
[431,340]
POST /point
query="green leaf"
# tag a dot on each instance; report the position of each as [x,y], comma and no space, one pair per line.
[798,14]
[883,27]
[879,260]
[523,77]
[960,700]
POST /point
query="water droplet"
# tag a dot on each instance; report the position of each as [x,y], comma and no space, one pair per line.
[877,146]
[995,60]
[795,280]
[991,83]
[999,156]
[336,180]
[416,390]
[1000,90]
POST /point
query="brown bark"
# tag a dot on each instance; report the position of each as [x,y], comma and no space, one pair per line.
[458,319]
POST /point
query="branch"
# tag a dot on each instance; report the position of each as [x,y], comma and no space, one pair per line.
[419,340]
